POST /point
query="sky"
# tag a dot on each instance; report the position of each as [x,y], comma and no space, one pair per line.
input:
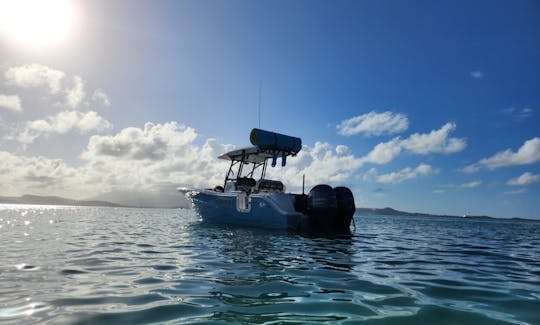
[421,106]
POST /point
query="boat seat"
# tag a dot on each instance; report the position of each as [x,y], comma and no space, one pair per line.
[245,182]
[230,186]
[267,185]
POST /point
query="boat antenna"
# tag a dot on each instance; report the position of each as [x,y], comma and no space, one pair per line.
[260,94]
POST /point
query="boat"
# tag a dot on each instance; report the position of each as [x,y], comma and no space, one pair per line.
[248,198]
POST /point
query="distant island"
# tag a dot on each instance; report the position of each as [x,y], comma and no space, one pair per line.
[392,212]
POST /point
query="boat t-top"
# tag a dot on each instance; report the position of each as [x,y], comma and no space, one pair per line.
[248,198]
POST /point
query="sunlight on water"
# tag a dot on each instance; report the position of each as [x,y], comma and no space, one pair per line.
[23,311]
[120,265]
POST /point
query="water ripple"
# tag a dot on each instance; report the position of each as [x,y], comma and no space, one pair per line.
[136,266]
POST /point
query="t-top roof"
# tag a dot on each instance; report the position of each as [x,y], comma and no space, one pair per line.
[252,154]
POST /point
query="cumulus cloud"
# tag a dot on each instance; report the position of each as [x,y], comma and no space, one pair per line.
[71,89]
[121,163]
[101,97]
[62,123]
[525,179]
[34,75]
[399,176]
[153,142]
[528,153]
[374,124]
[155,158]
[342,150]
[384,152]
[321,163]
[11,102]
[76,94]
[35,175]
[159,157]
[437,141]
[324,163]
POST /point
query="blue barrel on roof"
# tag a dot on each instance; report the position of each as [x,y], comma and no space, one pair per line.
[275,141]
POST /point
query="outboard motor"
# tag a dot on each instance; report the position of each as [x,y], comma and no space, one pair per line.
[345,209]
[321,208]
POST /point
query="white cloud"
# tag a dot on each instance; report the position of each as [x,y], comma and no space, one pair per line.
[159,157]
[153,160]
[472,184]
[384,152]
[121,163]
[374,124]
[477,74]
[321,164]
[528,153]
[342,150]
[11,102]
[153,142]
[62,123]
[399,176]
[525,179]
[34,75]
[518,114]
[471,169]
[516,192]
[527,111]
[71,89]
[75,95]
[33,175]
[437,141]
[100,96]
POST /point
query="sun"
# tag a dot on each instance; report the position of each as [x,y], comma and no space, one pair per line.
[36,22]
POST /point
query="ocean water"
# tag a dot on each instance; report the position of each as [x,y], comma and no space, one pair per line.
[86,265]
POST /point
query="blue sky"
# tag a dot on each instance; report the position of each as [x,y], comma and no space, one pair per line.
[418,105]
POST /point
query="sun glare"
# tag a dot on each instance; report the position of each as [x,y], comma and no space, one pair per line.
[36,22]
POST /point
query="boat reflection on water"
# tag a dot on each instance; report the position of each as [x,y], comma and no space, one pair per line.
[264,274]
[277,250]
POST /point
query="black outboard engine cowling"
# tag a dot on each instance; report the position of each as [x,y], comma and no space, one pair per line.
[345,209]
[321,208]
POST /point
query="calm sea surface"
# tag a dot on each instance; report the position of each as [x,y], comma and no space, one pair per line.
[130,266]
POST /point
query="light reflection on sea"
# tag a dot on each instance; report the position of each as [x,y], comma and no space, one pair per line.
[119,265]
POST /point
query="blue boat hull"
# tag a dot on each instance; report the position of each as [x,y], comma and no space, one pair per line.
[266,210]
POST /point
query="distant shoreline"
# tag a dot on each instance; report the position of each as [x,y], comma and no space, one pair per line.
[392,212]
[55,200]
